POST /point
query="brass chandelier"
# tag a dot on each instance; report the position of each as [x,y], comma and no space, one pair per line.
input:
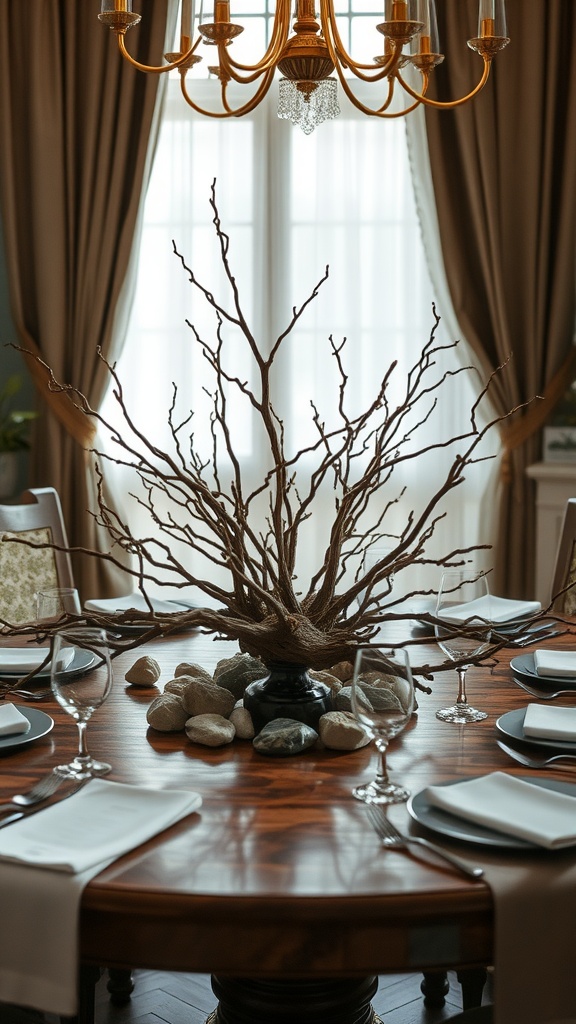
[307,52]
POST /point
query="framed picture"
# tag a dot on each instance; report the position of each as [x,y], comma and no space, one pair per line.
[560,444]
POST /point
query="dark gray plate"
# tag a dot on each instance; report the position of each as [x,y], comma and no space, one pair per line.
[80,663]
[40,725]
[523,667]
[442,823]
[512,725]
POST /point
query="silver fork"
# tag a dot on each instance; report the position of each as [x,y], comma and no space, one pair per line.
[40,791]
[533,762]
[542,694]
[391,837]
[41,694]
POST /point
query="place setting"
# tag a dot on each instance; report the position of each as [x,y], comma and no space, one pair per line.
[70,825]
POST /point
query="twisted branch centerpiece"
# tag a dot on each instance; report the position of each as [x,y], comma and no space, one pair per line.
[203,505]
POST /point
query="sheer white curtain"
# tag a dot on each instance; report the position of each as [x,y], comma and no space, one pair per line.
[291,204]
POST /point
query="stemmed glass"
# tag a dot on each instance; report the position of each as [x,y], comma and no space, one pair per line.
[464,602]
[80,695]
[382,701]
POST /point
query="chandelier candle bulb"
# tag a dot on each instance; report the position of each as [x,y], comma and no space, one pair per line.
[186,25]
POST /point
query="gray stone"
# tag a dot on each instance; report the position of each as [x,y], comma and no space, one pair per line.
[284,737]
[339,730]
[201,698]
[242,721]
[236,673]
[167,713]
[210,730]
[379,697]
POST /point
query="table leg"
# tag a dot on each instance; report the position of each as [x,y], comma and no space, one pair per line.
[282,1001]
[434,987]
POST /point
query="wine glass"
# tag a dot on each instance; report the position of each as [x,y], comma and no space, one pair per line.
[55,603]
[382,701]
[464,602]
[80,695]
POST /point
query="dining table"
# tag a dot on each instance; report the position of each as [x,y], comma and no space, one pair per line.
[279,887]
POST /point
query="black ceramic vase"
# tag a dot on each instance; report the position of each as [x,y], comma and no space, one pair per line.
[287,692]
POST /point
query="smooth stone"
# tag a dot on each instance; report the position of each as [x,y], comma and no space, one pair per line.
[210,730]
[144,672]
[201,698]
[242,721]
[339,730]
[237,672]
[190,668]
[379,697]
[284,737]
[167,713]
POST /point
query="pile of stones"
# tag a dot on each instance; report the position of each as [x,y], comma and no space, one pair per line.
[209,708]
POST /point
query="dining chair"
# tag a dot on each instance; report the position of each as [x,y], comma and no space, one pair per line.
[565,565]
[36,516]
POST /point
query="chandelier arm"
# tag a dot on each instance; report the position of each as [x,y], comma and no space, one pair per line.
[339,55]
[272,55]
[151,69]
[380,111]
[263,88]
[449,104]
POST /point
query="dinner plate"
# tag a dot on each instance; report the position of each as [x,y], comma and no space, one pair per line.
[512,725]
[523,667]
[81,662]
[40,725]
[442,823]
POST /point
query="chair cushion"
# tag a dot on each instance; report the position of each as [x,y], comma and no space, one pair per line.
[24,571]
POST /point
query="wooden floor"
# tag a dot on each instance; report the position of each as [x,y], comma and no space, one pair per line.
[161,998]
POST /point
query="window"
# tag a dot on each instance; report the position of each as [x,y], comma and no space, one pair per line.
[291,204]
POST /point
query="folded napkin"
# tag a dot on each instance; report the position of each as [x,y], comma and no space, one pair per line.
[12,721]
[554,723]
[46,860]
[26,659]
[122,604]
[555,663]
[512,806]
[491,609]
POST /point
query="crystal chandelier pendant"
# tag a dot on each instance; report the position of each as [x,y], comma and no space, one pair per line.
[308,104]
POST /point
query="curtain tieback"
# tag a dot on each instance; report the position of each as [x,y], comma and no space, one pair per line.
[75,422]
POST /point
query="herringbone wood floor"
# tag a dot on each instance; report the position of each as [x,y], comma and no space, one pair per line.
[161,998]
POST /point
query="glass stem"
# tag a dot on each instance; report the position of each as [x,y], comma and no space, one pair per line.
[462,698]
[382,778]
[82,748]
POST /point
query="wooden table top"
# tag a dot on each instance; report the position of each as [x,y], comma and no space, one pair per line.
[280,872]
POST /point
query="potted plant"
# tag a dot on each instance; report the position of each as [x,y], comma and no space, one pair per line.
[14,433]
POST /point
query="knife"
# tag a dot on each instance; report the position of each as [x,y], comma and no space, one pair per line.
[34,810]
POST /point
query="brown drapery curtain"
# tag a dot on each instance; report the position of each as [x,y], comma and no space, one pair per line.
[75,128]
[504,174]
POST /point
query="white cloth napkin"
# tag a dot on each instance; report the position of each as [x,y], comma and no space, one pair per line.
[546,722]
[491,609]
[26,659]
[45,862]
[555,663]
[512,806]
[12,721]
[122,604]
